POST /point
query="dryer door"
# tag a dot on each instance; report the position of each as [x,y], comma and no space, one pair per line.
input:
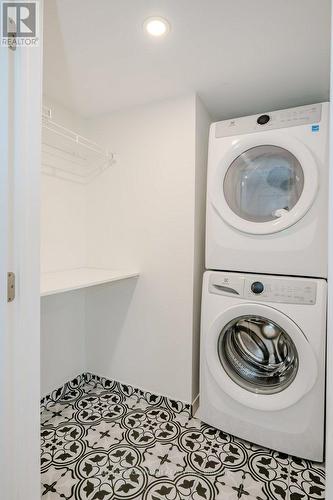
[264,186]
[260,357]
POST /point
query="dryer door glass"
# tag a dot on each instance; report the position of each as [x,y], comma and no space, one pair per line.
[263,183]
[258,354]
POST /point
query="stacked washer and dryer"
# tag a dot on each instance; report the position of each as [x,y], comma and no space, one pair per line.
[263,332]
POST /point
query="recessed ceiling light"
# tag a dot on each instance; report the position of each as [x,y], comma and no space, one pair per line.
[156,26]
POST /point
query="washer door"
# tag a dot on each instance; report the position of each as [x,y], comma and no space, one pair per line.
[264,187]
[260,357]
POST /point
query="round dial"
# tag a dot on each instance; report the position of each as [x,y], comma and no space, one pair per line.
[257,287]
[263,119]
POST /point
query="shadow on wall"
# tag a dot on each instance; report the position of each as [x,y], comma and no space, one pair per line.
[62,339]
[107,308]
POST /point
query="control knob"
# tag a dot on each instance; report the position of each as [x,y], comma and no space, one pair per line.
[257,287]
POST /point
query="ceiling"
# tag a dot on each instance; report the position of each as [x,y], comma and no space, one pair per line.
[240,56]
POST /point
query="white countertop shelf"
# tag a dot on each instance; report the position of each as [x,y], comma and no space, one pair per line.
[74,279]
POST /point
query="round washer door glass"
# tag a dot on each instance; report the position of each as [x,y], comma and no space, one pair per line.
[258,354]
[263,183]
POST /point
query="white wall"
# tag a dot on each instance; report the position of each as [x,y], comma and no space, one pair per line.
[63,241]
[146,212]
[63,246]
[63,209]
[142,212]
[62,339]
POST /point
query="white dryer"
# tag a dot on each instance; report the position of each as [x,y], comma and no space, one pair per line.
[267,193]
[262,367]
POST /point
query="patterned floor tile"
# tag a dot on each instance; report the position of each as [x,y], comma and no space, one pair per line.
[307,480]
[102,440]
[58,483]
[272,469]
[104,435]
[185,486]
[238,484]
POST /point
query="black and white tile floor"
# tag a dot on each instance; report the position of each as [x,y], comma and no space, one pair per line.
[102,440]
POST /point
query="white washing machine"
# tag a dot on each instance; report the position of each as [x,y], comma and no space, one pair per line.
[267,193]
[262,361]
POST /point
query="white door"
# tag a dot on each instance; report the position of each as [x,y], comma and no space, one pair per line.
[265,183]
[20,104]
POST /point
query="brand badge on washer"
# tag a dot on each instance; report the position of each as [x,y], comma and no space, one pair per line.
[315,128]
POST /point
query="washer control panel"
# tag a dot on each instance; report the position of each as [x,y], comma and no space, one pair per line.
[290,290]
[264,288]
[302,115]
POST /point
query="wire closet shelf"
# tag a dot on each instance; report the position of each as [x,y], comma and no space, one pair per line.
[70,156]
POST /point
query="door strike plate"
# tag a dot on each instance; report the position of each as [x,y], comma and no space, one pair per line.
[10,287]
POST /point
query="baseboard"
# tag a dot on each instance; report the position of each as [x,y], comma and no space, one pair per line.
[67,391]
[195,405]
[71,390]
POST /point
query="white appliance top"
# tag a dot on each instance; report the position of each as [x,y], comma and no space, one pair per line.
[302,115]
[264,288]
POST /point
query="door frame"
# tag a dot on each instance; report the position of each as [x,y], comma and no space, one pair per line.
[20,140]
[329,348]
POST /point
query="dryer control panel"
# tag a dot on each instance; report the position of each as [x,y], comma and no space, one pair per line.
[302,115]
[264,288]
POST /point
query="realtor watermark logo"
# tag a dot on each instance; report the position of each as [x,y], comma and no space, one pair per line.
[19,24]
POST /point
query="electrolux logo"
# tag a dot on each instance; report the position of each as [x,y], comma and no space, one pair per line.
[19,24]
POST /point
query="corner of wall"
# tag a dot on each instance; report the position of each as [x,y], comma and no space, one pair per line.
[145,219]
[202,124]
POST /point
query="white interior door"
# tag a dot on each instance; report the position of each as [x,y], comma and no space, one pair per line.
[20,106]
